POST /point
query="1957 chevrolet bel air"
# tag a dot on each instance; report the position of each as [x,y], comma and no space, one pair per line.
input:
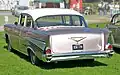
[54,34]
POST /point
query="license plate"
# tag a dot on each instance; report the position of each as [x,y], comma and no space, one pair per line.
[77,47]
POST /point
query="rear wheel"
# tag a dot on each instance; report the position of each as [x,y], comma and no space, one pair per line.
[90,60]
[33,59]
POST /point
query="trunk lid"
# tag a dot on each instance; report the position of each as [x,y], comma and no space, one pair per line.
[76,42]
[76,39]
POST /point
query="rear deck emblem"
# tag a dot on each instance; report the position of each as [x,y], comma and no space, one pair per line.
[77,39]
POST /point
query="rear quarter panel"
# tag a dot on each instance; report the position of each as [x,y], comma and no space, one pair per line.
[38,41]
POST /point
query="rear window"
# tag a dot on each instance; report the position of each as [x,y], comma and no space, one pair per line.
[58,20]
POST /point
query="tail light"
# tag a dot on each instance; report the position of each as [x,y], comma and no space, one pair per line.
[108,47]
[108,42]
[48,51]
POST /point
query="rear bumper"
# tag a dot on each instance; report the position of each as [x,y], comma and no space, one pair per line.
[78,56]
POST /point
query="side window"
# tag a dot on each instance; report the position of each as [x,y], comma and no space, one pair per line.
[22,20]
[29,22]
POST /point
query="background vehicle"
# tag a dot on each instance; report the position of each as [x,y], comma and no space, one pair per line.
[114,26]
[18,9]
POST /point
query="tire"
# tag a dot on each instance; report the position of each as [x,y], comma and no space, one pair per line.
[9,47]
[33,59]
[90,60]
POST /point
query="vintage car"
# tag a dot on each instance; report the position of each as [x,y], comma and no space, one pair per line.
[54,34]
[114,26]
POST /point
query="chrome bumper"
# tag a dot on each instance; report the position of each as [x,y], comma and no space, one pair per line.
[78,55]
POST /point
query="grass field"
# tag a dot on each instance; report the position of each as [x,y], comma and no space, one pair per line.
[15,63]
[100,25]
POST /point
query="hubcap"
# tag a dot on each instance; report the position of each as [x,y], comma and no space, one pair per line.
[32,56]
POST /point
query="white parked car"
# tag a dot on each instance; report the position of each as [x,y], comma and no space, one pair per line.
[18,9]
[54,34]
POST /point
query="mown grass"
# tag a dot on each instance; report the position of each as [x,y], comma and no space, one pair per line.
[15,63]
[11,19]
[100,25]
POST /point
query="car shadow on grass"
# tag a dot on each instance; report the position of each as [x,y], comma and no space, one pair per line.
[62,64]
[116,50]
[71,64]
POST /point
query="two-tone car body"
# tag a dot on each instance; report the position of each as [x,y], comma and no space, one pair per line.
[54,34]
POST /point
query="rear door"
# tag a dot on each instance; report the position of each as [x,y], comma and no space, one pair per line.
[27,28]
[115,28]
[16,34]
